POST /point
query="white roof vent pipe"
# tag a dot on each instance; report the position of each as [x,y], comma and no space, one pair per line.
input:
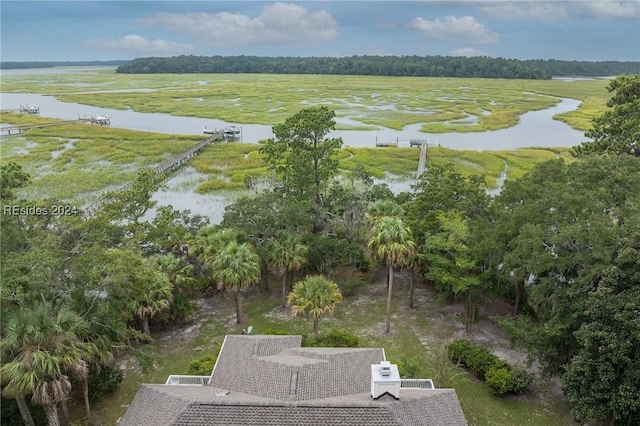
[385,379]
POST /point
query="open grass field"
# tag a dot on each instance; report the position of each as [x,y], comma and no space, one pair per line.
[417,341]
[360,102]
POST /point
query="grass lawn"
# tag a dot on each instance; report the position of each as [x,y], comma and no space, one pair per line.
[416,342]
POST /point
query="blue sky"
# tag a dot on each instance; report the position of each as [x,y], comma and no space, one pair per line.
[107,30]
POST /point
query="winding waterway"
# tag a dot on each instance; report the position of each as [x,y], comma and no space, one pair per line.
[535,129]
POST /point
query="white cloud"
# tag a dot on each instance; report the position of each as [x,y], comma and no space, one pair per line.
[515,9]
[557,10]
[608,8]
[452,28]
[139,45]
[466,51]
[278,23]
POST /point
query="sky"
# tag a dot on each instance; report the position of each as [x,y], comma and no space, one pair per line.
[601,30]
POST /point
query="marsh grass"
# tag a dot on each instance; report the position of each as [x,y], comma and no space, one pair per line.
[75,162]
[442,104]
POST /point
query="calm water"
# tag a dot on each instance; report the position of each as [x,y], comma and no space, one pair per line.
[536,128]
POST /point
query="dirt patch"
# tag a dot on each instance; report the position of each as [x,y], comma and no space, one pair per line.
[446,321]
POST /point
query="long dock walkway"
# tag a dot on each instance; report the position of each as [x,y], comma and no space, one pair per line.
[162,169]
[7,131]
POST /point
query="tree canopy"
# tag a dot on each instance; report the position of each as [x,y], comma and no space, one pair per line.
[413,66]
[617,131]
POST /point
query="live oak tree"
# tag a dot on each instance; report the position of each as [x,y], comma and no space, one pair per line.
[574,235]
[451,264]
[603,376]
[301,154]
[617,131]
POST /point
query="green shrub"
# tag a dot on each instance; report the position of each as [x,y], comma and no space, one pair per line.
[334,339]
[203,366]
[350,286]
[520,379]
[10,413]
[411,367]
[182,308]
[105,381]
[479,360]
[458,350]
[499,380]
[275,332]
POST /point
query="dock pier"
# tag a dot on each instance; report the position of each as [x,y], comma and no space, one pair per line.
[161,171]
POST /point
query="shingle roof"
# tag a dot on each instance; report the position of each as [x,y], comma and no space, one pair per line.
[271,380]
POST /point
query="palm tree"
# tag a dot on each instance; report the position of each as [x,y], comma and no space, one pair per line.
[287,253]
[315,296]
[384,208]
[150,292]
[235,268]
[390,241]
[45,346]
[413,263]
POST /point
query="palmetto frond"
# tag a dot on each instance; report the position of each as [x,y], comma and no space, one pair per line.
[314,296]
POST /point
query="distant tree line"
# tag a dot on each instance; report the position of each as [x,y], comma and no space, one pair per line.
[12,65]
[412,66]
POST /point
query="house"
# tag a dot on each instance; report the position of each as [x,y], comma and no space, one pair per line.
[272,380]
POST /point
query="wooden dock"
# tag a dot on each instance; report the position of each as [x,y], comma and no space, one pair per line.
[161,171]
[7,131]
[103,120]
[29,109]
[422,162]
[385,144]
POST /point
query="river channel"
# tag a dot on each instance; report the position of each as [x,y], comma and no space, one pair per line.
[535,129]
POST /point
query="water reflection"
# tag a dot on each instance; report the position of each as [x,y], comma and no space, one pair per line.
[180,193]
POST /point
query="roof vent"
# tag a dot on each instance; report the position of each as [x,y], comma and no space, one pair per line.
[385,379]
[385,368]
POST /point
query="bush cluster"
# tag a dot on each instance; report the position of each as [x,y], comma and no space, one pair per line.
[500,377]
[334,339]
[104,381]
[203,366]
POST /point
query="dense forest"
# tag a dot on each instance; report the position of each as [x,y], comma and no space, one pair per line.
[561,245]
[413,66]
[12,65]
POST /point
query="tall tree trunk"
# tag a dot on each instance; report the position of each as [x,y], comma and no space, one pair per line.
[390,288]
[315,328]
[469,312]
[24,411]
[265,275]
[284,287]
[239,315]
[412,279]
[85,394]
[52,415]
[65,412]
[145,325]
[519,292]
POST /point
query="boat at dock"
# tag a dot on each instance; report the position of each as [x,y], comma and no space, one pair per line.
[230,132]
[102,119]
[29,109]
